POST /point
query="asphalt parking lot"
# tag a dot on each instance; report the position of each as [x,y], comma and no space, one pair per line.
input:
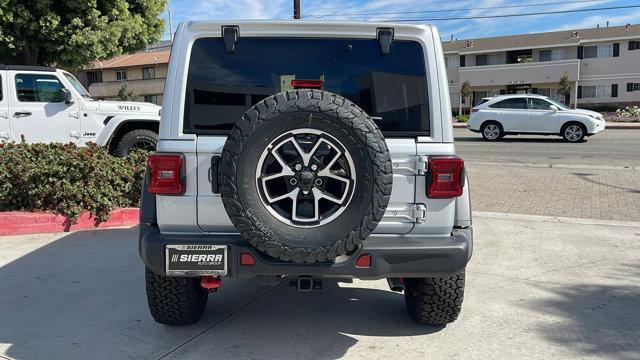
[542,175]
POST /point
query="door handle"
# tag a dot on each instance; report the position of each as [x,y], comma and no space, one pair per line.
[22,113]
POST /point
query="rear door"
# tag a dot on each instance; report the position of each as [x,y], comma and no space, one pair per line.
[5,125]
[512,113]
[391,88]
[37,112]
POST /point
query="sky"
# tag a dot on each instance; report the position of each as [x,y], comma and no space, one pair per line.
[360,10]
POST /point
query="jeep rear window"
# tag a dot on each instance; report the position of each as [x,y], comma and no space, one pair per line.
[391,88]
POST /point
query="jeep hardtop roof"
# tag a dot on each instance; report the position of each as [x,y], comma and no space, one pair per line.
[203,25]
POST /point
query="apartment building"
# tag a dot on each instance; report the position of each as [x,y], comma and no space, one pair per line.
[143,73]
[603,64]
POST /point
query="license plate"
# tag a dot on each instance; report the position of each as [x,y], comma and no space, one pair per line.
[196,259]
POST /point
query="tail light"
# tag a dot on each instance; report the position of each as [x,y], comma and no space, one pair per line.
[165,172]
[473,110]
[308,84]
[445,177]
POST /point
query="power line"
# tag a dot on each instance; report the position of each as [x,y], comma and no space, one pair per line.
[512,15]
[457,9]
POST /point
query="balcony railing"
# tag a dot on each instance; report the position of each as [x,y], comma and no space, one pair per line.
[522,73]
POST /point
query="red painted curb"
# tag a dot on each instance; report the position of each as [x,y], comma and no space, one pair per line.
[19,223]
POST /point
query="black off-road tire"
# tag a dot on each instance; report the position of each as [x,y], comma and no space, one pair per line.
[175,300]
[282,113]
[436,300]
[134,139]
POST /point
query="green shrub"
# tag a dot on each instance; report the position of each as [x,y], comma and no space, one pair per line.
[463,118]
[68,180]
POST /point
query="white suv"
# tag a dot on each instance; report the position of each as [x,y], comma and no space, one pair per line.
[47,105]
[532,114]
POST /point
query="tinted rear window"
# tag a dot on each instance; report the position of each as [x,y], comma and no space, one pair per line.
[221,86]
[513,103]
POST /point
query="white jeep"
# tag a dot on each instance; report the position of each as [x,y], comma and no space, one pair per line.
[44,105]
[303,151]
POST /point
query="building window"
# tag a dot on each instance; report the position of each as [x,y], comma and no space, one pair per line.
[149,73]
[598,51]
[603,91]
[551,55]
[634,45]
[596,91]
[551,93]
[479,95]
[151,99]
[588,92]
[490,59]
[590,52]
[633,87]
[121,74]
[450,62]
[94,77]
[605,51]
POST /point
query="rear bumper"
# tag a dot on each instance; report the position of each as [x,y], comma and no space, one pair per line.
[390,256]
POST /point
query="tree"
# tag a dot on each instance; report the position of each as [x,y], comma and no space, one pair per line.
[72,33]
[124,94]
[465,90]
[565,86]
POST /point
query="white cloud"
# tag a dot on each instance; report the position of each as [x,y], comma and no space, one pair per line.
[593,21]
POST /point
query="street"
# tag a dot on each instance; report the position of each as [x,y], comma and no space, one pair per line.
[616,148]
[538,175]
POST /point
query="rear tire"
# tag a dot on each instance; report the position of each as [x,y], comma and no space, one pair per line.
[140,139]
[492,131]
[435,300]
[175,300]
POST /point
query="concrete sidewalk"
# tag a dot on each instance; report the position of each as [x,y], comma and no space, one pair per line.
[537,288]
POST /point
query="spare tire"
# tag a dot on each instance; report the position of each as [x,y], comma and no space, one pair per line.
[305,176]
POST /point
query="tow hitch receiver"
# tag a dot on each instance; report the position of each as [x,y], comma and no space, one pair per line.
[211,282]
[305,283]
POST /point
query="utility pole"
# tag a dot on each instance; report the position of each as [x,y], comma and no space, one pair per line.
[170,24]
[296,9]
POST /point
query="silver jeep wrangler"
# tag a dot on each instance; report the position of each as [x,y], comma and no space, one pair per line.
[297,151]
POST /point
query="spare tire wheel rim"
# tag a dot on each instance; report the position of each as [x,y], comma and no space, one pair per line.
[305,178]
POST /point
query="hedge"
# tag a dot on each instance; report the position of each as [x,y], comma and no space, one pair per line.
[68,180]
